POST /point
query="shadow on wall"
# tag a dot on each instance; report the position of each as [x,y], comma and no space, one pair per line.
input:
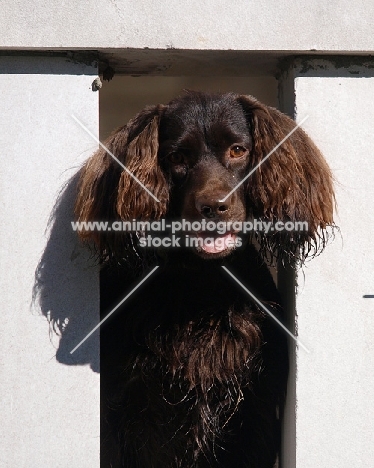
[66,287]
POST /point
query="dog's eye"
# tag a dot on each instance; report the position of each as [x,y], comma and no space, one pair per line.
[176,158]
[237,151]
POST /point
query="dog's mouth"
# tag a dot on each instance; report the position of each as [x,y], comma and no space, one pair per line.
[208,244]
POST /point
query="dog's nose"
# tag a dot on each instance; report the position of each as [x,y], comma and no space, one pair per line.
[211,209]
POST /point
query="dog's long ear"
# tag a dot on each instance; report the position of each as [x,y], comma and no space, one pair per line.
[108,192]
[293,184]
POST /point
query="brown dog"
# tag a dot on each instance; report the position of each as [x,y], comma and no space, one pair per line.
[194,371]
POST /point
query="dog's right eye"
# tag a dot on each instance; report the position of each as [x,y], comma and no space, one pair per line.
[237,151]
[176,158]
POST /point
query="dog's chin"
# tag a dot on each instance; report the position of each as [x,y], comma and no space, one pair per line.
[209,247]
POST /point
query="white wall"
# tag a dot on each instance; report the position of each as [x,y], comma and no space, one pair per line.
[192,24]
[49,398]
[335,382]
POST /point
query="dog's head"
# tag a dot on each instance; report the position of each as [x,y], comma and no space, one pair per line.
[205,147]
[194,156]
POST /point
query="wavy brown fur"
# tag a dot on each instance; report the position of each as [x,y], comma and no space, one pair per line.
[108,193]
[294,184]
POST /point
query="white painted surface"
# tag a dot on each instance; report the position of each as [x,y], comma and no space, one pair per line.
[239,25]
[50,407]
[335,382]
[49,400]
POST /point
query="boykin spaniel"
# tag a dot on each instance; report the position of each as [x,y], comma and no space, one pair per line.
[194,369]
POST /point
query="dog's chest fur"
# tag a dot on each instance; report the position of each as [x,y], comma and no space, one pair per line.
[190,346]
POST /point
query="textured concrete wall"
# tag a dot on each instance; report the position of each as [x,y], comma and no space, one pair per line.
[335,382]
[49,398]
[239,25]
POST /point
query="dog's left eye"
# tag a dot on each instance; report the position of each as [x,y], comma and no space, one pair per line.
[176,158]
[237,151]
